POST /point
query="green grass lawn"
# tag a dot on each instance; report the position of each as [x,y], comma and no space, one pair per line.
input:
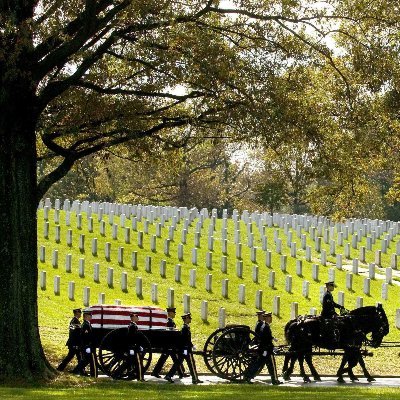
[55,311]
[132,391]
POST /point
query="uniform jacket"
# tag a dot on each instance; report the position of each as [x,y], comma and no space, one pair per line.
[86,334]
[258,327]
[266,338]
[74,333]
[171,323]
[328,305]
[132,335]
[186,343]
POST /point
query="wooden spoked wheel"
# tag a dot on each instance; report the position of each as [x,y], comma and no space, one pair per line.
[208,350]
[114,355]
[233,352]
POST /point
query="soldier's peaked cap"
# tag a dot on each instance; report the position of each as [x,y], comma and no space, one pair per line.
[75,310]
[186,315]
[330,283]
[261,312]
[267,313]
[171,309]
[87,311]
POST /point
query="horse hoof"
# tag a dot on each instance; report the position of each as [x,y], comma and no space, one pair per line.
[341,380]
[370,379]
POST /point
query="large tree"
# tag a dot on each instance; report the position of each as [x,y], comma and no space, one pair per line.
[80,76]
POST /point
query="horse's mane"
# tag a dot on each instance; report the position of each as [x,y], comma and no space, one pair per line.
[363,310]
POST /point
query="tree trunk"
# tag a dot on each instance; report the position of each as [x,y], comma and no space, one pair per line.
[21,353]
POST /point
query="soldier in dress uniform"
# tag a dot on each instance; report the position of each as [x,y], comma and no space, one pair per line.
[169,352]
[329,315]
[73,341]
[260,321]
[87,346]
[185,352]
[134,357]
[328,304]
[265,353]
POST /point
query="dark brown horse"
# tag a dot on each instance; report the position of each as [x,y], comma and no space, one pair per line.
[348,332]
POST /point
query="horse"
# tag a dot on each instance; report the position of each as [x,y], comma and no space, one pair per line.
[348,332]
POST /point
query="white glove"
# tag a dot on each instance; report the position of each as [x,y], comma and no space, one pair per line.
[140,348]
[194,348]
[185,352]
[265,353]
[88,351]
[131,352]
[275,339]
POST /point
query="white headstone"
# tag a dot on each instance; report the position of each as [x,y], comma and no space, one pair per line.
[225,287]
[43,276]
[209,282]
[86,296]
[170,297]
[96,272]
[57,280]
[178,272]
[242,294]
[186,303]
[204,310]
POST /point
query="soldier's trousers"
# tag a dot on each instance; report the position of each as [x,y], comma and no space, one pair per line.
[135,361]
[72,352]
[87,359]
[190,363]
[258,364]
[163,358]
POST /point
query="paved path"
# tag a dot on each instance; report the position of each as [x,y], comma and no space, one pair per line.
[296,381]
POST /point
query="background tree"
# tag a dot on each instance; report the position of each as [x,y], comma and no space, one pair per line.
[81,76]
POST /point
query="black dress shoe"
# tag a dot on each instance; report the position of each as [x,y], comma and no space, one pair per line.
[276,382]
[196,381]
[156,375]
[248,380]
[169,379]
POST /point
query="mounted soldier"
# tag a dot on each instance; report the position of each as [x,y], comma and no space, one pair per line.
[329,322]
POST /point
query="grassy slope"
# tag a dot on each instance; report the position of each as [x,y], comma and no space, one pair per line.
[55,311]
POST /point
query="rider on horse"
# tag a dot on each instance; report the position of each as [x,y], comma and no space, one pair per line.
[329,314]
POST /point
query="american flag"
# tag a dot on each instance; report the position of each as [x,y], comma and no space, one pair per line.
[113,317]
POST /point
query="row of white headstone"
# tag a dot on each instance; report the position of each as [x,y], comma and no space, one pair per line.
[321,225]
[224,241]
[186,300]
[239,273]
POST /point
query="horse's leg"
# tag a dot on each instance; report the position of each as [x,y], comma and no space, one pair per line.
[341,369]
[352,360]
[288,366]
[314,372]
[285,366]
[364,368]
[306,379]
